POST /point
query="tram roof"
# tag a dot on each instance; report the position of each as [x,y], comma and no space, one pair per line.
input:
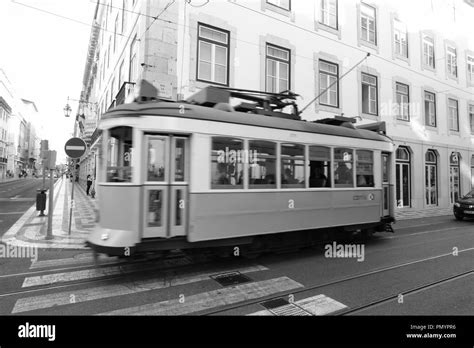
[164,108]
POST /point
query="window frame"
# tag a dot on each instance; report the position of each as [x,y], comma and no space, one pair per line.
[451,61]
[279,61]
[322,11]
[213,43]
[428,165]
[328,75]
[425,100]
[376,94]
[400,115]
[428,41]
[270,3]
[397,29]
[470,68]
[450,116]
[362,14]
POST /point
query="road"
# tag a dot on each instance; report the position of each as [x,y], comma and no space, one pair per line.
[425,268]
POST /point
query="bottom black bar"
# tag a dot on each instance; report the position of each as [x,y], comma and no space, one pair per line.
[290,331]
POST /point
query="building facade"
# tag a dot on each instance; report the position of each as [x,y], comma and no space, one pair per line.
[20,132]
[419,77]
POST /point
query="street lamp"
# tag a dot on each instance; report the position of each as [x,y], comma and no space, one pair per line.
[67,110]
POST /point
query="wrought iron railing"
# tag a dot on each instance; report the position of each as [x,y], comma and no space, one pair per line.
[126,89]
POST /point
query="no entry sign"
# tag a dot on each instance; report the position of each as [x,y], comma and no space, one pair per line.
[75,147]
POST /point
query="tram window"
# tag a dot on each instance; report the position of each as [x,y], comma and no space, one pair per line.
[119,155]
[343,164]
[292,166]
[227,158]
[365,168]
[156,162]
[319,166]
[262,168]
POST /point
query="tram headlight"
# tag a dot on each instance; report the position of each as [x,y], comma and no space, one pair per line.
[457,205]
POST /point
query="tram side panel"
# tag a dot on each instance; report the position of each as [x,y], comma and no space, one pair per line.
[241,214]
[119,217]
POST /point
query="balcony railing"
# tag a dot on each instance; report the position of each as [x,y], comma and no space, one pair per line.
[126,89]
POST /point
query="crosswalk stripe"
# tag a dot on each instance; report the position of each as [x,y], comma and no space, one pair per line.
[132,287]
[316,305]
[70,261]
[212,299]
[98,272]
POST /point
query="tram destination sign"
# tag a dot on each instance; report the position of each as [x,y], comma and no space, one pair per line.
[75,147]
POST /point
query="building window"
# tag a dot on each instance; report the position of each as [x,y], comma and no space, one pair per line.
[226,163]
[451,61]
[343,167]
[471,117]
[133,61]
[292,166]
[431,178]
[453,115]
[454,178]
[401,39]
[364,168]
[319,166]
[368,23]
[284,4]
[369,94]
[329,13]
[403,170]
[277,69]
[428,52]
[402,100]
[262,171]
[430,109]
[213,55]
[470,68]
[328,76]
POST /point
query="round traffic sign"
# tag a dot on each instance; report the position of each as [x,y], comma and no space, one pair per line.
[75,147]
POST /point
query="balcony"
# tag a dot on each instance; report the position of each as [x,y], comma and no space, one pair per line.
[126,89]
[95,135]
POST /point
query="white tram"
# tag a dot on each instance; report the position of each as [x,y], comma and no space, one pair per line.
[203,173]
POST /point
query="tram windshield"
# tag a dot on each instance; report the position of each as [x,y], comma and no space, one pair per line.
[119,154]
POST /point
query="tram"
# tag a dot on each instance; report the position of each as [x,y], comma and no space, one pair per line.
[230,168]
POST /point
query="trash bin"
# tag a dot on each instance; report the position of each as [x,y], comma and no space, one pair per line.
[41,201]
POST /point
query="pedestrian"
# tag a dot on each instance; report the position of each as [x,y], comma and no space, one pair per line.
[89,183]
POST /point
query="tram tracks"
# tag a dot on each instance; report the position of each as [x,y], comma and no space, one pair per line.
[406,292]
[130,269]
[308,289]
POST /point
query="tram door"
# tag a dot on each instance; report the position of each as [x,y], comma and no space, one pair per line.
[385,184]
[165,186]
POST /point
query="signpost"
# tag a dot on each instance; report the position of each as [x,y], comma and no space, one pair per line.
[74,148]
[51,163]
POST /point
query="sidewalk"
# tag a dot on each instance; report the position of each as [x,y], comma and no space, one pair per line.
[30,229]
